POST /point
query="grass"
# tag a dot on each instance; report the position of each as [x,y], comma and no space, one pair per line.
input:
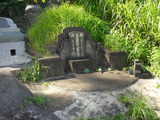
[138,107]
[66,15]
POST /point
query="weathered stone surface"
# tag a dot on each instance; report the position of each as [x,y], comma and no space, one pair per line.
[77,66]
[54,66]
[31,13]
[12,93]
[29,18]
[101,60]
[137,71]
[116,59]
[75,43]
[7,23]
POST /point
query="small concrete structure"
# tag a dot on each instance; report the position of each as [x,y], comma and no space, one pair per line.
[54,66]
[139,72]
[116,59]
[12,46]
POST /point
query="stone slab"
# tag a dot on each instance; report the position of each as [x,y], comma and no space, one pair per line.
[116,59]
[54,66]
[77,66]
[96,81]
[12,93]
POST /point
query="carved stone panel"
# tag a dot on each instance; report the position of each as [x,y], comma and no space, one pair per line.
[77,44]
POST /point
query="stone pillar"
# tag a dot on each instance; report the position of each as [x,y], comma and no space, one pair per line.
[137,71]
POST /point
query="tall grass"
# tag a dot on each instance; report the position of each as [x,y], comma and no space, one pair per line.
[134,25]
[137,24]
[53,20]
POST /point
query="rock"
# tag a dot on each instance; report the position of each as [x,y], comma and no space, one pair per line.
[30,8]
[12,93]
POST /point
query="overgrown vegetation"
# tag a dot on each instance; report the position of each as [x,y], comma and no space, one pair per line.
[53,20]
[33,73]
[134,26]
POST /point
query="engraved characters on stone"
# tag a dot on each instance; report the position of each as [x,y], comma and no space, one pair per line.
[77,44]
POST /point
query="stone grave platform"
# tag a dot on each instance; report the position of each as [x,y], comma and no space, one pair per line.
[95,81]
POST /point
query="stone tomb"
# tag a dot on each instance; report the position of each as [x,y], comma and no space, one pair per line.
[76,49]
[12,46]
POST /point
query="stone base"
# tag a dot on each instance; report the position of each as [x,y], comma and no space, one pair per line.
[116,59]
[54,64]
[13,53]
[77,66]
[14,60]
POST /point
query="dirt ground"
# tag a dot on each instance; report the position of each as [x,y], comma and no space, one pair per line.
[67,104]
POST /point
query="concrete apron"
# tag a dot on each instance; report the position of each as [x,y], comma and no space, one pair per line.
[95,81]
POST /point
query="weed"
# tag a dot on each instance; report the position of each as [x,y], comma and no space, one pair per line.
[138,109]
[32,74]
[123,98]
[44,83]
[109,69]
[37,100]
[158,85]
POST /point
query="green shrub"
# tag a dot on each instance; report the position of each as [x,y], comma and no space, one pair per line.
[155,61]
[135,28]
[53,20]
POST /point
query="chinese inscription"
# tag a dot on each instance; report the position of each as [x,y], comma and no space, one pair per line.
[77,44]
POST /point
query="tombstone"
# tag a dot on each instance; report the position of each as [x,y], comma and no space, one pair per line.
[12,46]
[76,49]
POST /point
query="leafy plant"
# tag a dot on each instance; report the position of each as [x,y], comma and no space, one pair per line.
[38,100]
[123,98]
[32,74]
[158,85]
